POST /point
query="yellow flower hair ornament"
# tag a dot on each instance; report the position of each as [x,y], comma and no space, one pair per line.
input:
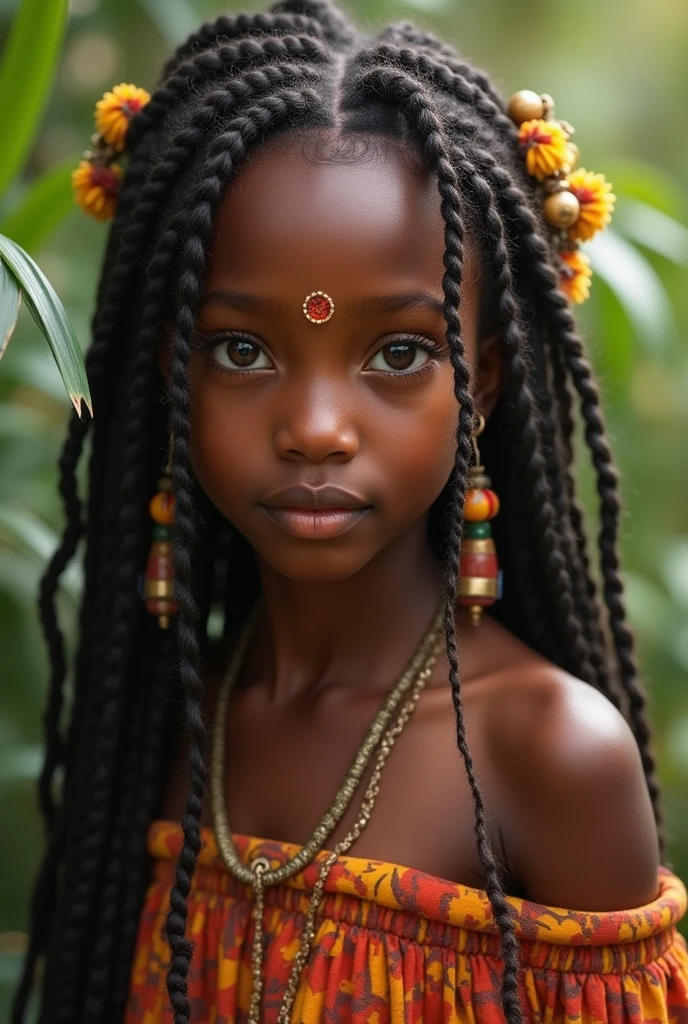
[576,203]
[96,180]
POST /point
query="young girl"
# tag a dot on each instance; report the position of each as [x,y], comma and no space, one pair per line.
[336,375]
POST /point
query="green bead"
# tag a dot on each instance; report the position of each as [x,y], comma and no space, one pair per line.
[161,532]
[478,531]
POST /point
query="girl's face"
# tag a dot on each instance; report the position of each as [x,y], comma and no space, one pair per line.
[363,402]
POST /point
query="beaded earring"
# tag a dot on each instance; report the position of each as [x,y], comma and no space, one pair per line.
[480,580]
[158,584]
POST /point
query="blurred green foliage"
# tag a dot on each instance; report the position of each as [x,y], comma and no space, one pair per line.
[31,53]
[618,73]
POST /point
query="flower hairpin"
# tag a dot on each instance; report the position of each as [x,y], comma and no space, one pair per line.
[97,179]
[575,202]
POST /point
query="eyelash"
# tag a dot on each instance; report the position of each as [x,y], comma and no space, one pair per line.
[433,349]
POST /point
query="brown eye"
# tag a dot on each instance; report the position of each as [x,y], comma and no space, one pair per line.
[240,353]
[400,356]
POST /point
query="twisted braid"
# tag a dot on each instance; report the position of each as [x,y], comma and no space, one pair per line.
[228,27]
[100,741]
[588,599]
[235,56]
[450,79]
[543,513]
[150,780]
[403,33]
[227,150]
[424,117]
[338,31]
[564,337]
[125,875]
[43,900]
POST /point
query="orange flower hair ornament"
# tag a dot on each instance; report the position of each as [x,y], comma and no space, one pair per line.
[97,179]
[577,203]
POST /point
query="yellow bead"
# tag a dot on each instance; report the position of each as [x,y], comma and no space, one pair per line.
[561,209]
[525,106]
[161,508]
[481,503]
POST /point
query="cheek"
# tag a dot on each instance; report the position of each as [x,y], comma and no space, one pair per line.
[419,448]
[224,449]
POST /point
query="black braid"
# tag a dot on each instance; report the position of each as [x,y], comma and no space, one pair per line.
[92,831]
[421,112]
[226,28]
[231,85]
[570,346]
[212,63]
[227,150]
[339,32]
[543,512]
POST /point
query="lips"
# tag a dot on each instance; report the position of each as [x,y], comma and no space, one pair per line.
[315,513]
[299,496]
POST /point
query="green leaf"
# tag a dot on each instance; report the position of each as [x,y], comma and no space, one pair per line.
[10,301]
[637,179]
[638,288]
[46,202]
[26,75]
[50,315]
[654,229]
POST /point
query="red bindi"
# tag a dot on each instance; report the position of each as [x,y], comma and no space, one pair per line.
[318,307]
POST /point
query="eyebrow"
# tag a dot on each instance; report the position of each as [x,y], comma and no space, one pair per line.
[235,300]
[396,303]
[245,302]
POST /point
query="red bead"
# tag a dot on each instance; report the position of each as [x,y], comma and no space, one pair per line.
[479,565]
[161,606]
[160,565]
[318,307]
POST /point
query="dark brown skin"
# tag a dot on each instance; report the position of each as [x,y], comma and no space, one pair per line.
[569,814]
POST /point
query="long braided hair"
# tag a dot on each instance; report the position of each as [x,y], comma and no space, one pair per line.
[239,80]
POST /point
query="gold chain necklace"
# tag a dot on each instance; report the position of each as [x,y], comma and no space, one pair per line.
[380,737]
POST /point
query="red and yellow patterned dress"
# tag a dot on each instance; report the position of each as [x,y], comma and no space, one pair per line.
[397,946]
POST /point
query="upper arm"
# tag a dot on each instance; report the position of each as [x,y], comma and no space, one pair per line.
[574,812]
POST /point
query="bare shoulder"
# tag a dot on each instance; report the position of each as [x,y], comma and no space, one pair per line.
[574,812]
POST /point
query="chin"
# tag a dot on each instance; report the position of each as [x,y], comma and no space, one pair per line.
[315,566]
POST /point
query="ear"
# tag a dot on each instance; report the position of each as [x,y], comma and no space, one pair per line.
[164,355]
[488,380]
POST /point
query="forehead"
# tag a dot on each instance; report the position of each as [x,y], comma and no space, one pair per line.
[361,217]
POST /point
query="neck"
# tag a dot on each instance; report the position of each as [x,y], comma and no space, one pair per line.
[359,631]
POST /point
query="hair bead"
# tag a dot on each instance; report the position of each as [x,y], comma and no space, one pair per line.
[575,203]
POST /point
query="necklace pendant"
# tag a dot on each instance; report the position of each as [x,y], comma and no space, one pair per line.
[259,866]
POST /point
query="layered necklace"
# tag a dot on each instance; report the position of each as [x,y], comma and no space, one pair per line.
[377,743]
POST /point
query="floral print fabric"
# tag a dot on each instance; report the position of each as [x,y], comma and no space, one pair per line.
[397,946]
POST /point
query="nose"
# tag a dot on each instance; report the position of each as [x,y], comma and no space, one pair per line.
[317,423]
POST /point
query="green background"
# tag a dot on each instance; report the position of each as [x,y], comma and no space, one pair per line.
[618,73]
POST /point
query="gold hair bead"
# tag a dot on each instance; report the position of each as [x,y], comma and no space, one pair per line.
[576,203]
[525,106]
[561,209]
